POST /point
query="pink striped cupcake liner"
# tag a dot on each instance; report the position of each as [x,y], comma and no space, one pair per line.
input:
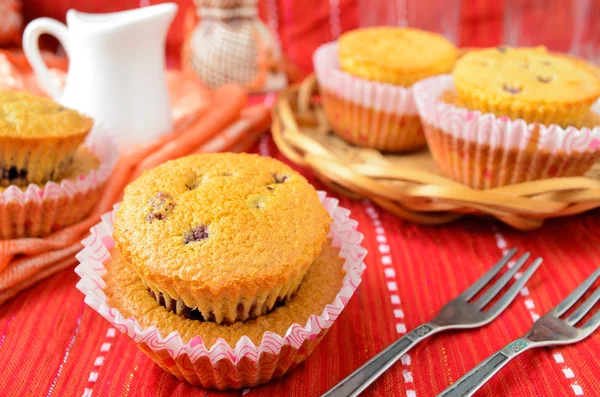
[37,211]
[484,151]
[363,112]
[222,366]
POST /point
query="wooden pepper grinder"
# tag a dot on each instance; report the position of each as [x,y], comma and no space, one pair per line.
[230,44]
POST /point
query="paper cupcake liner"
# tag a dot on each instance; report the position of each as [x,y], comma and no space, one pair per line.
[367,113]
[221,366]
[484,151]
[38,211]
[37,161]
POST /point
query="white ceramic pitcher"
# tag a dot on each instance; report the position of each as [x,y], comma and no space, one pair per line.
[116,68]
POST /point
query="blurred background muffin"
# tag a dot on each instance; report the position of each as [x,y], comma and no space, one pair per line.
[38,138]
[366,80]
[527,83]
[512,115]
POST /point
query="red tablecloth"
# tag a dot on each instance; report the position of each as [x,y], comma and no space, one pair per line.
[52,344]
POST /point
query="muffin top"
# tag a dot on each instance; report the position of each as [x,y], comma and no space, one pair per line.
[529,75]
[392,55]
[220,223]
[24,115]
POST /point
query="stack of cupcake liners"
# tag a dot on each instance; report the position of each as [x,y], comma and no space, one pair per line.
[222,366]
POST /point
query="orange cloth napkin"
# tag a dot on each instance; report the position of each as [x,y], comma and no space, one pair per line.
[203,122]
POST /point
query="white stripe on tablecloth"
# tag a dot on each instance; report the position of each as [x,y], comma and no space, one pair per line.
[529,304]
[99,361]
[385,258]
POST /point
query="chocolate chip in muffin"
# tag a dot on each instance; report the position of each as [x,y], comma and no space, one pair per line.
[543,79]
[270,187]
[194,314]
[192,180]
[13,173]
[192,185]
[511,89]
[197,233]
[162,203]
[501,48]
[280,178]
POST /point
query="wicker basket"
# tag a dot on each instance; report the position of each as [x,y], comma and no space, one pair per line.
[410,185]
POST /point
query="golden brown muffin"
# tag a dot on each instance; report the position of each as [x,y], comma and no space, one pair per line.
[221,237]
[83,163]
[38,138]
[400,56]
[527,83]
[322,282]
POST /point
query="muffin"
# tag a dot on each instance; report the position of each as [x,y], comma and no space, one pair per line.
[483,150]
[221,237]
[128,294]
[38,138]
[249,352]
[37,211]
[526,83]
[366,83]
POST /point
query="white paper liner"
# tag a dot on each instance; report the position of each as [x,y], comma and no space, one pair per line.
[486,128]
[38,211]
[91,269]
[388,98]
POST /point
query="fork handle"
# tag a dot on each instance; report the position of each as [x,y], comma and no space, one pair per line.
[360,379]
[478,376]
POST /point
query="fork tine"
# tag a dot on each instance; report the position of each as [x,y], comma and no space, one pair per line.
[563,306]
[482,282]
[592,324]
[498,285]
[510,295]
[584,308]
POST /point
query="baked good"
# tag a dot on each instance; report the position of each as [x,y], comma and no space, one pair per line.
[37,211]
[38,138]
[249,352]
[221,237]
[526,83]
[366,83]
[484,151]
[399,56]
[128,294]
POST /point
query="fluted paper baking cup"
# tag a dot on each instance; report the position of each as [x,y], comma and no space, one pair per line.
[484,151]
[366,113]
[221,366]
[38,211]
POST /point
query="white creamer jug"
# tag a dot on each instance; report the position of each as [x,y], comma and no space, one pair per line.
[116,68]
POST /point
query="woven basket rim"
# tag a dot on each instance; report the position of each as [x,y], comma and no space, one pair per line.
[419,195]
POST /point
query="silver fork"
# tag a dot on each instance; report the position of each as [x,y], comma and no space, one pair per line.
[549,330]
[459,313]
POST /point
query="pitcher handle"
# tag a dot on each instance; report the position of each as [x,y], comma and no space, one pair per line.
[31,36]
